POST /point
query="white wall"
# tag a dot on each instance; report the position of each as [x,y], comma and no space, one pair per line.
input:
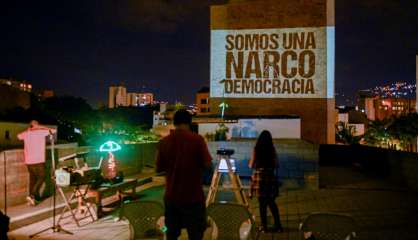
[251,128]
[343,117]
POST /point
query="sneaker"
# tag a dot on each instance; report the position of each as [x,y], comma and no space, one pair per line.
[30,201]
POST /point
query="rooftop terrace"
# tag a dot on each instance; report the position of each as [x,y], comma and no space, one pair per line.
[382,210]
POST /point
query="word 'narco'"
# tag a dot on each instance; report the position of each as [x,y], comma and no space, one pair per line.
[254,63]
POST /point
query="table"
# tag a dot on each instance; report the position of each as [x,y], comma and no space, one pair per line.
[106,190]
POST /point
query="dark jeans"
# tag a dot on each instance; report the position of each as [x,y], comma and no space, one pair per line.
[36,179]
[269,201]
[189,216]
[4,226]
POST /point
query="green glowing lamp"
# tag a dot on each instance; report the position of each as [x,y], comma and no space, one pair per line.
[110,146]
[223,106]
[111,170]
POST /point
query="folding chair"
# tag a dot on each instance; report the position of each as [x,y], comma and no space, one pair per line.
[228,218]
[143,217]
[328,226]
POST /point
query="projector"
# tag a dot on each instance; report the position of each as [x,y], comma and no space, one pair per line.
[225,152]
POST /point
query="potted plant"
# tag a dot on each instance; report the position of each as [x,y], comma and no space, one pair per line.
[221,131]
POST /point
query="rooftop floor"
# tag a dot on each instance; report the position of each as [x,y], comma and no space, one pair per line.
[381,210]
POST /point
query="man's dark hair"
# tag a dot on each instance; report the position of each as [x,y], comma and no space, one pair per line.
[182,116]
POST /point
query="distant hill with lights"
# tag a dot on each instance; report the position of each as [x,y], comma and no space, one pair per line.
[395,90]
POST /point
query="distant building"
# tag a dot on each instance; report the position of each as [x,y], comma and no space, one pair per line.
[416,94]
[46,93]
[139,99]
[381,108]
[21,85]
[12,97]
[354,118]
[117,96]
[387,101]
[202,102]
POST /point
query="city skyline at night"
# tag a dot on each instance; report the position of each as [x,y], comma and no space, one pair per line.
[76,47]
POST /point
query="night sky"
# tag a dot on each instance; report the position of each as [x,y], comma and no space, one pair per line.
[81,47]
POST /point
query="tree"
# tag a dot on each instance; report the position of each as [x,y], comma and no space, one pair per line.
[377,133]
[345,134]
[405,129]
[72,114]
[123,124]
[221,131]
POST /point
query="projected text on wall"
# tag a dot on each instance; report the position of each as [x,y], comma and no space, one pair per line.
[269,63]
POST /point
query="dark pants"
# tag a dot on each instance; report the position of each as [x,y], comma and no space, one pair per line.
[189,216]
[4,226]
[269,201]
[36,179]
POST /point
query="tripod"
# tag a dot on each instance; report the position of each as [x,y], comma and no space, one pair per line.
[225,155]
[55,226]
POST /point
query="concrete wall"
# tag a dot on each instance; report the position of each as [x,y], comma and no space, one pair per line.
[396,166]
[17,177]
[298,161]
[132,159]
[317,114]
[251,128]
[298,164]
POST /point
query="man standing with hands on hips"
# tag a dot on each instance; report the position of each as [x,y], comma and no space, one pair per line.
[34,139]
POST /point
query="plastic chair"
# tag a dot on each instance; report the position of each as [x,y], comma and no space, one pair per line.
[328,226]
[143,217]
[228,218]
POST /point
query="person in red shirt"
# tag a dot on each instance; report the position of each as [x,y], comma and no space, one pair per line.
[183,155]
[34,150]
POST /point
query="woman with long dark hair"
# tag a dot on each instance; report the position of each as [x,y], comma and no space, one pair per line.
[264,182]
